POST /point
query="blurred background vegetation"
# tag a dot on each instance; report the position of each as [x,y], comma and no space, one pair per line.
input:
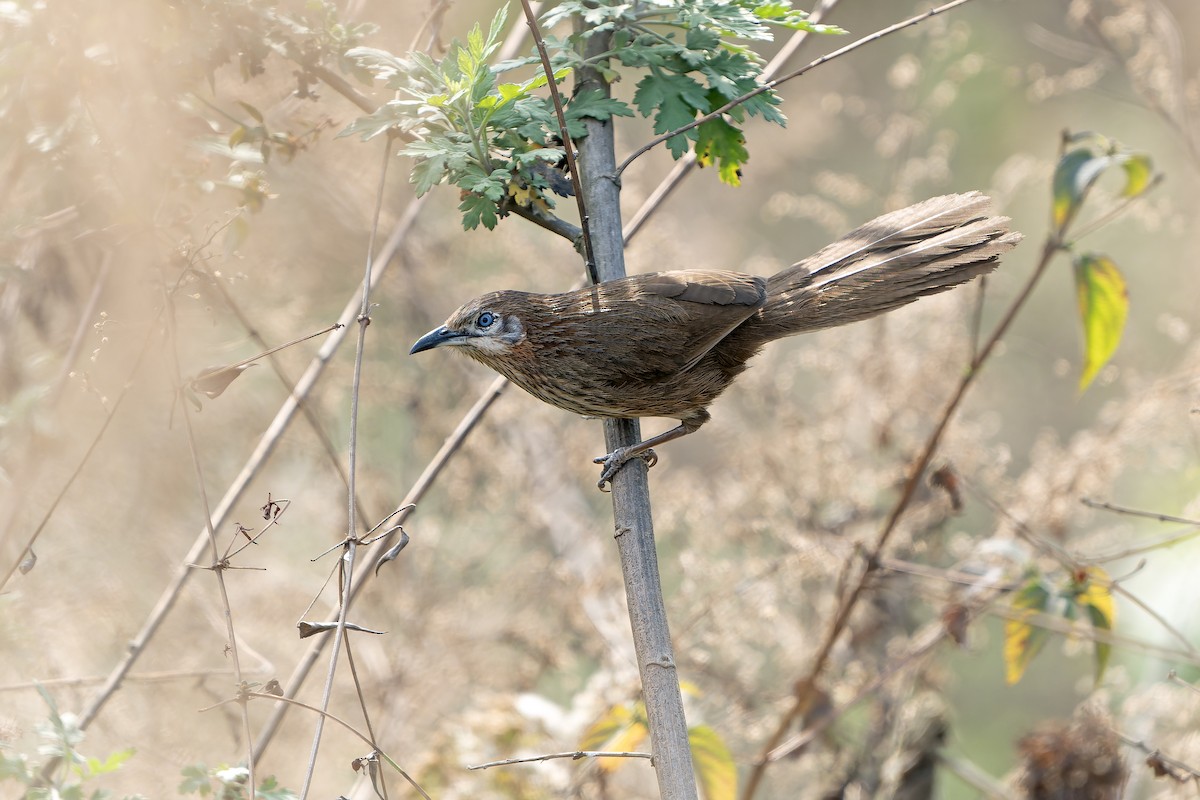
[506,632]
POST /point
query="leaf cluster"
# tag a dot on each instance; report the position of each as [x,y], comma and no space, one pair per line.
[229,783]
[1099,284]
[499,142]
[624,728]
[60,736]
[1084,594]
[693,65]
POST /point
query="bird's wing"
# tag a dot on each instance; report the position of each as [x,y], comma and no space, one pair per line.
[707,304]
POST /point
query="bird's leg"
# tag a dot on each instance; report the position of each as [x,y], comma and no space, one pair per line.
[617,458]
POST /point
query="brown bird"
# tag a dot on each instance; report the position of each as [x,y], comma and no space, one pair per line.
[666,344]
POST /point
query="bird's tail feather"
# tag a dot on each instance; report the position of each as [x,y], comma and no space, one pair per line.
[889,262]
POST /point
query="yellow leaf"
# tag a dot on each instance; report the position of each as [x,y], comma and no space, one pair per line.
[1139,173]
[714,764]
[1022,641]
[1103,308]
[622,729]
[1094,593]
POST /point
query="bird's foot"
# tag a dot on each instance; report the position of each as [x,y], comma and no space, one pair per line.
[617,459]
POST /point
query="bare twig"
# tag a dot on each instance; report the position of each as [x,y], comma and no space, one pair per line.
[550,222]
[971,774]
[1065,627]
[924,645]
[340,85]
[420,487]
[250,470]
[805,685]
[215,550]
[575,755]
[684,166]
[273,350]
[771,84]
[1162,764]
[1074,565]
[568,146]
[290,701]
[1133,512]
[111,414]
[347,561]
[1174,678]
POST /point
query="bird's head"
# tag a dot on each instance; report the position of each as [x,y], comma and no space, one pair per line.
[486,326]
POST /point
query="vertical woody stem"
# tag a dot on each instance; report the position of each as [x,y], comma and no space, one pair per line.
[630,488]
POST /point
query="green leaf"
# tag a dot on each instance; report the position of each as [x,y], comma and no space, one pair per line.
[382,64]
[714,764]
[592,103]
[673,100]
[499,21]
[1094,593]
[389,115]
[475,44]
[1073,177]
[195,780]
[1103,308]
[478,210]
[111,764]
[1023,641]
[721,143]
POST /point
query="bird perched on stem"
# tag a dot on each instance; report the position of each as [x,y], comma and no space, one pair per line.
[666,344]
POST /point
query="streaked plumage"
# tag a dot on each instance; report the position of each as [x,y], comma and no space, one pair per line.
[667,344]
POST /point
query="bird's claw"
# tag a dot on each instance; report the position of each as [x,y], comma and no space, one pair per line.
[616,459]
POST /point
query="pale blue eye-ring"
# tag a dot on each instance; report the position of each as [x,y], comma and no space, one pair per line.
[485,319]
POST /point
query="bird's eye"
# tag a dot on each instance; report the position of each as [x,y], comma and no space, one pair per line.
[486,319]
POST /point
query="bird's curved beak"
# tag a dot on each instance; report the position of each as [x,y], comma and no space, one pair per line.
[438,337]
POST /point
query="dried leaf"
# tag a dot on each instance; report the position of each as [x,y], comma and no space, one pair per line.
[213,381]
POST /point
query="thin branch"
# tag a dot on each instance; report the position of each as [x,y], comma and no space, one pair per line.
[1065,627]
[415,494]
[771,84]
[272,350]
[550,222]
[141,677]
[1116,211]
[1133,512]
[254,463]
[1074,565]
[420,487]
[206,508]
[971,774]
[340,85]
[575,755]
[895,666]
[111,414]
[346,563]
[684,166]
[291,701]
[805,685]
[568,145]
[1174,678]
[1162,764]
